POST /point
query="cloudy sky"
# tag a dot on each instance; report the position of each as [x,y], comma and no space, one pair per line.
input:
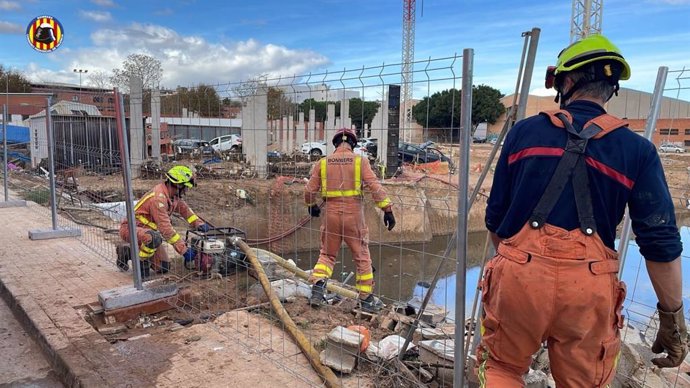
[221,41]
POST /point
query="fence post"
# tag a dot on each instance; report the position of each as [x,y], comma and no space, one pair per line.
[54,232]
[129,195]
[463,191]
[648,130]
[7,202]
[527,77]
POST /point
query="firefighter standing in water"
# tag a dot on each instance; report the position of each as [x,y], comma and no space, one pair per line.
[152,213]
[340,178]
[560,189]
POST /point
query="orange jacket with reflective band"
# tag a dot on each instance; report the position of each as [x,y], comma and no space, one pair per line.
[343,175]
[154,210]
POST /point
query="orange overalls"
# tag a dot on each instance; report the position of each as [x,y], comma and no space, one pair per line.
[549,284]
[340,178]
[152,213]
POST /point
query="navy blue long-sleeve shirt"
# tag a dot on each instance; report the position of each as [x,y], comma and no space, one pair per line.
[623,168]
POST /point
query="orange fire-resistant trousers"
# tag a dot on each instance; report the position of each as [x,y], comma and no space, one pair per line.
[557,286]
[144,238]
[344,221]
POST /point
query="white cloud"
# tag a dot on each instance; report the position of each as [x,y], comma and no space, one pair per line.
[186,60]
[104,3]
[6,5]
[10,28]
[96,16]
[543,92]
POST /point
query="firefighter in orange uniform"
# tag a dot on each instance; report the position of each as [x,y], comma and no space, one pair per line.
[340,178]
[152,213]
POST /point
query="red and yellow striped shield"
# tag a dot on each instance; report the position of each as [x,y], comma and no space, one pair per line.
[45,33]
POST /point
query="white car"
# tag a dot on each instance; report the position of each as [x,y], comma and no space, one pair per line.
[231,143]
[315,148]
[671,148]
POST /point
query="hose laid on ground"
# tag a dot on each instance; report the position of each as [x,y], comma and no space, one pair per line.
[304,275]
[312,355]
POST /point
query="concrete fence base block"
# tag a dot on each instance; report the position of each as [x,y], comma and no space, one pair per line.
[127,296]
[46,234]
[17,203]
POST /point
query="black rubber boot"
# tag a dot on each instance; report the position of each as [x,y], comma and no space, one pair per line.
[123,255]
[318,290]
[164,268]
[145,267]
[371,304]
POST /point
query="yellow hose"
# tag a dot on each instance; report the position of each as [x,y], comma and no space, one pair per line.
[304,275]
[312,355]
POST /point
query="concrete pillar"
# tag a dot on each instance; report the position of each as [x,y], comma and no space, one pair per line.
[329,128]
[311,129]
[255,131]
[137,136]
[156,124]
[284,135]
[291,134]
[379,131]
[345,121]
[338,123]
[366,132]
[301,131]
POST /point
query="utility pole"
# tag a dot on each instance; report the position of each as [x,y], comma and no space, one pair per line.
[80,71]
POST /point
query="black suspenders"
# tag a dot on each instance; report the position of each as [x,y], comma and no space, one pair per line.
[572,164]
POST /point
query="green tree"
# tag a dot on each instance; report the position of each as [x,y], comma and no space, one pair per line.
[202,99]
[320,108]
[362,112]
[442,109]
[486,105]
[13,81]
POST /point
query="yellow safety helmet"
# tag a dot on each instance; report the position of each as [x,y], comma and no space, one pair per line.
[181,175]
[591,49]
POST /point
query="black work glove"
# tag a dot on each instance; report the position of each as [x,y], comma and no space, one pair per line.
[314,210]
[389,220]
[672,338]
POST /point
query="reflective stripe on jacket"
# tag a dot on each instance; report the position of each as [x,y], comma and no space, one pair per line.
[154,210]
[344,174]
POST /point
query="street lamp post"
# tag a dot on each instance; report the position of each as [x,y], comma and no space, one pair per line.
[80,71]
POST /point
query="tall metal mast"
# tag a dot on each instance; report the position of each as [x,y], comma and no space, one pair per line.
[586,18]
[408,33]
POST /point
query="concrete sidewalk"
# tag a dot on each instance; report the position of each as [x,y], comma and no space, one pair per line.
[45,282]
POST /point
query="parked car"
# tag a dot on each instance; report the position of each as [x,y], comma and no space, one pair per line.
[671,148]
[231,143]
[372,148]
[316,148]
[422,153]
[192,147]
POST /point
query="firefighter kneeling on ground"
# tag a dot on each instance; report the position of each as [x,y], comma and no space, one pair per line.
[340,179]
[152,213]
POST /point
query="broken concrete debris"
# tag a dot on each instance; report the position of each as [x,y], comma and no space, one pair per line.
[342,349]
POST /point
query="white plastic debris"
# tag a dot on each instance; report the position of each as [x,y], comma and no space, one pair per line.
[391,346]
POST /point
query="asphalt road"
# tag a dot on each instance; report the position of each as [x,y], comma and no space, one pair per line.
[22,363]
